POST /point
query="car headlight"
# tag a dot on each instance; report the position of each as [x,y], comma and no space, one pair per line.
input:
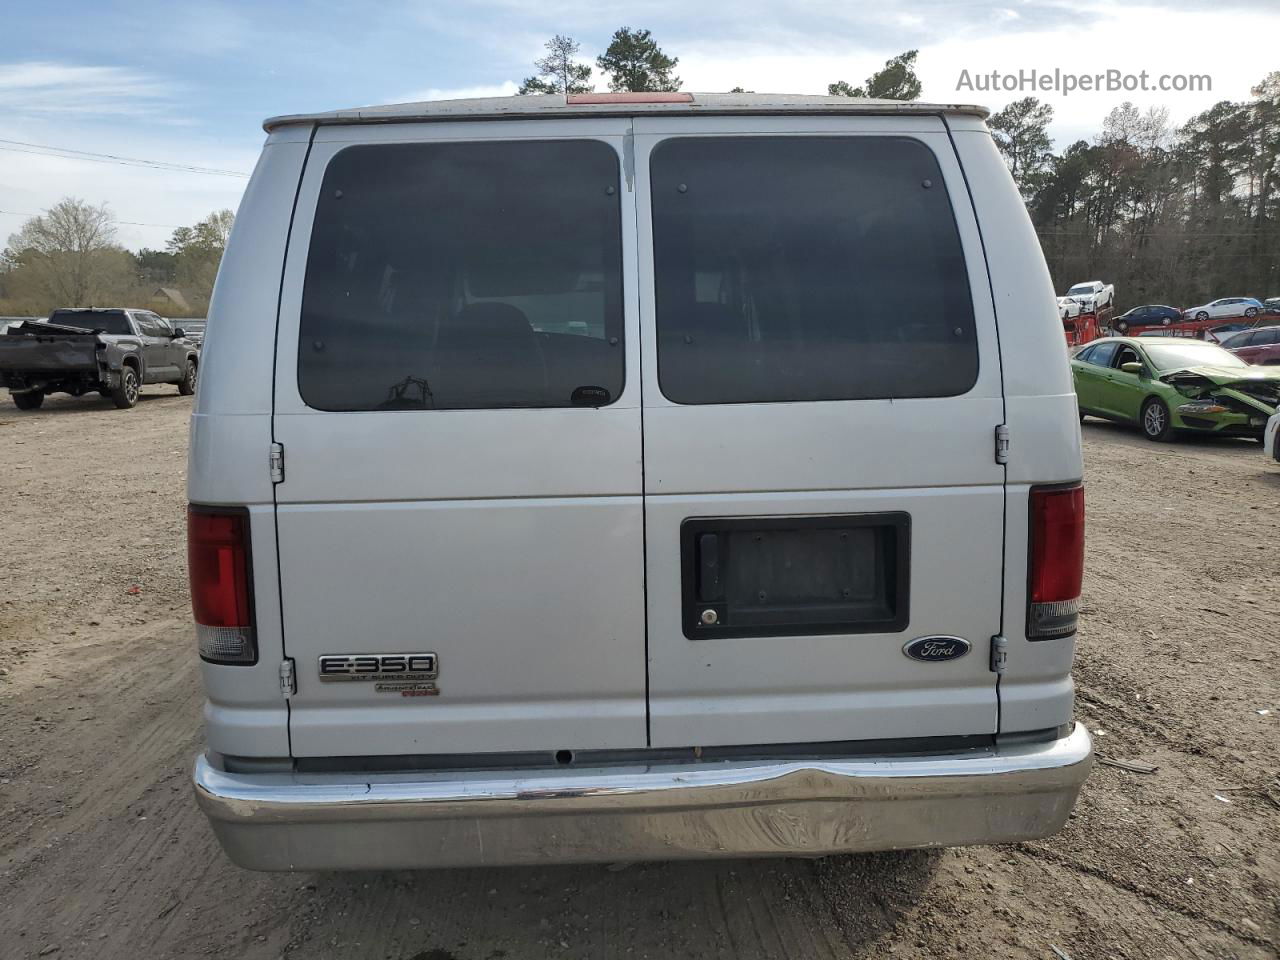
[1201,407]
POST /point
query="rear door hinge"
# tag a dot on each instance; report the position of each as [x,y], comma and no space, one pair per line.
[288,682]
[999,653]
[1002,443]
[275,462]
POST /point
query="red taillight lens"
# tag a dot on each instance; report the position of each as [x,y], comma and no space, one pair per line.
[218,561]
[1057,561]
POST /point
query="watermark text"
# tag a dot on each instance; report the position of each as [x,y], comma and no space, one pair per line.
[1065,83]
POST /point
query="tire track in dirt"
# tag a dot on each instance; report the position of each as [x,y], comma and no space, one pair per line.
[1146,893]
[81,781]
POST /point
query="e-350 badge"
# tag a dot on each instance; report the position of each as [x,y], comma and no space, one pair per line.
[408,674]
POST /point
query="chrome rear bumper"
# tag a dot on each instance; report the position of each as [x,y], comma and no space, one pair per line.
[654,812]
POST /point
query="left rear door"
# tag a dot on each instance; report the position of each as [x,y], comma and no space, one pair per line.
[457,398]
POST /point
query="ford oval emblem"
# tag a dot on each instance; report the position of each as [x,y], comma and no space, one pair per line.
[936,649]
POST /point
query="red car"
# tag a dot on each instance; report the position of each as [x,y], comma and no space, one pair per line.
[1260,345]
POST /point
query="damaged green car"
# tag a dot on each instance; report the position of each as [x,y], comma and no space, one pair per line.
[1168,385]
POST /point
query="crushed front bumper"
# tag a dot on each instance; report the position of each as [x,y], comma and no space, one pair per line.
[667,811]
[1224,424]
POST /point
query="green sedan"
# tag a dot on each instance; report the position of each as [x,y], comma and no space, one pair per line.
[1172,384]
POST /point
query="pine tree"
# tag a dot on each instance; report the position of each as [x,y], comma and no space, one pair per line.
[558,72]
[897,80]
[636,63]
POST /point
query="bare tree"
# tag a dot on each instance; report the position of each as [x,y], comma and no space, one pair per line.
[558,72]
[70,251]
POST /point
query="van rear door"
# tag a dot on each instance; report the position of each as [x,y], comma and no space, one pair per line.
[821,485]
[458,401]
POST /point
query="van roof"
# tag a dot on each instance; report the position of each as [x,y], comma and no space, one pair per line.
[557,105]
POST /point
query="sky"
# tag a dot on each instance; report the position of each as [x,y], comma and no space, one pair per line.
[189,84]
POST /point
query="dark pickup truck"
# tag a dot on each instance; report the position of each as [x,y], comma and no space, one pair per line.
[80,350]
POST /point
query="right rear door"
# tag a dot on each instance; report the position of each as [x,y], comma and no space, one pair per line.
[821,390]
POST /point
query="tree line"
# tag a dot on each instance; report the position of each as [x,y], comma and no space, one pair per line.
[633,62]
[1169,214]
[1173,215]
[69,256]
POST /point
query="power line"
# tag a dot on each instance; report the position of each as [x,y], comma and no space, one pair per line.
[131,223]
[67,153]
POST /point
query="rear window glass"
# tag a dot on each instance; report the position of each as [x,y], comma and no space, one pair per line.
[464,276]
[807,268]
[108,321]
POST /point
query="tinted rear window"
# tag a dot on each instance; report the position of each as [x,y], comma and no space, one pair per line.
[807,268]
[464,276]
[108,321]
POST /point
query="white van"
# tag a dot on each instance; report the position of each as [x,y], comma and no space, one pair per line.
[633,476]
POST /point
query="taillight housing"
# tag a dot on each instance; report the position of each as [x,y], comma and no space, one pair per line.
[1056,561]
[219,562]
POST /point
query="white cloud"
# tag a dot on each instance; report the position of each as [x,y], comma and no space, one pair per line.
[1128,39]
[797,47]
[212,29]
[40,88]
[111,110]
[159,199]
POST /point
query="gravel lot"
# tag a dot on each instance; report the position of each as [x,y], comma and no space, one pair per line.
[103,853]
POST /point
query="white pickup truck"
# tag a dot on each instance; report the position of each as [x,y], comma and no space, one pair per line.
[1088,297]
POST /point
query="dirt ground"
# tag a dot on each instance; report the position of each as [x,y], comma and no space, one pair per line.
[103,853]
